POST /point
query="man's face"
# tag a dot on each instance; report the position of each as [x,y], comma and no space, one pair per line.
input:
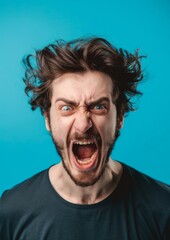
[83,123]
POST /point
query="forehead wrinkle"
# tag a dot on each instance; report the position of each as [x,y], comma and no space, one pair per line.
[85,100]
[81,93]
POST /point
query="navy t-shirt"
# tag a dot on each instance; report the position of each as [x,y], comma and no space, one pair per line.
[139,209]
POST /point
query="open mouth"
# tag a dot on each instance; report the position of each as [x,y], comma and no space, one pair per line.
[85,153]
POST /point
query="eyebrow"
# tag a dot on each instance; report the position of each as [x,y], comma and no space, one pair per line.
[102,99]
[66,101]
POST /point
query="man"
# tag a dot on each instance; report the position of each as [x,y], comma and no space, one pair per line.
[84,89]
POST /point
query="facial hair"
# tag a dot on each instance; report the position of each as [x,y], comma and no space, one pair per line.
[91,176]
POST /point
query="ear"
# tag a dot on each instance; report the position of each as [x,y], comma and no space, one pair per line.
[120,122]
[47,124]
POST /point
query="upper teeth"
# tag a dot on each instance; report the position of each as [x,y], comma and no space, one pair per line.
[83,143]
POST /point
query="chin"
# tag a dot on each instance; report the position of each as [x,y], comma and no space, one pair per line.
[86,170]
[84,179]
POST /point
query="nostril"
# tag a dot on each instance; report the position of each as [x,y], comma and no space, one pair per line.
[90,123]
[83,124]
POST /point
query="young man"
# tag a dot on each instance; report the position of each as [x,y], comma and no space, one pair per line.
[84,89]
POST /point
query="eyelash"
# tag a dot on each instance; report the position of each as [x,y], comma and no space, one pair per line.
[99,109]
[101,105]
[66,106]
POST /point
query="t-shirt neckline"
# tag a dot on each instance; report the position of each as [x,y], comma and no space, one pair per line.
[103,202]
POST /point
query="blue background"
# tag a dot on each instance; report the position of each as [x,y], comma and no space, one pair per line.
[25,146]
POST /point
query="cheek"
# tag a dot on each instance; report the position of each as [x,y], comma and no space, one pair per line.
[60,128]
[106,125]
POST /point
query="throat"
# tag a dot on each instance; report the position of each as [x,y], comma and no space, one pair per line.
[86,199]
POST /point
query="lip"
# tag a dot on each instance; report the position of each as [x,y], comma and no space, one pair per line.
[89,164]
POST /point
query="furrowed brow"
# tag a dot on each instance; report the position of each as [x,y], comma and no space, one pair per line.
[100,100]
[67,101]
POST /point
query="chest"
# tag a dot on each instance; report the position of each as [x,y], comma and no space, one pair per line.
[119,221]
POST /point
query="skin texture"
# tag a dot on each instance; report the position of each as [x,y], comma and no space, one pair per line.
[82,112]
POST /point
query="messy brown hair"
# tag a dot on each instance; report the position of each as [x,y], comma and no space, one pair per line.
[81,55]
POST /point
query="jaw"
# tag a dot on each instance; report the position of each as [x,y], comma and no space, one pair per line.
[85,160]
[87,169]
[83,172]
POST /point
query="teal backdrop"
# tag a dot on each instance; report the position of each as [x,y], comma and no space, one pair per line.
[25,146]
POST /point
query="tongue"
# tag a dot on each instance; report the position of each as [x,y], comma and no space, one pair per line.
[84,151]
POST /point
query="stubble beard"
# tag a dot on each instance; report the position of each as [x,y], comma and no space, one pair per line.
[81,180]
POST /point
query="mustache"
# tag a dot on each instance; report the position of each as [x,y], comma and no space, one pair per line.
[91,136]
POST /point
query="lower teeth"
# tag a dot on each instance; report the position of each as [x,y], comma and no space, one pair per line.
[85,162]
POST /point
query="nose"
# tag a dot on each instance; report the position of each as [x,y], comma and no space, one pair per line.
[83,122]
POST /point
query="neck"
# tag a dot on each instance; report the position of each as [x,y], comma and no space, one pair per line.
[68,190]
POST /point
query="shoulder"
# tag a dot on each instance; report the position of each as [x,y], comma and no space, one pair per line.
[146,181]
[22,202]
[23,193]
[150,199]
[146,189]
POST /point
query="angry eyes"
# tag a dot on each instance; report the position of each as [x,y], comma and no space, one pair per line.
[99,109]
[66,108]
